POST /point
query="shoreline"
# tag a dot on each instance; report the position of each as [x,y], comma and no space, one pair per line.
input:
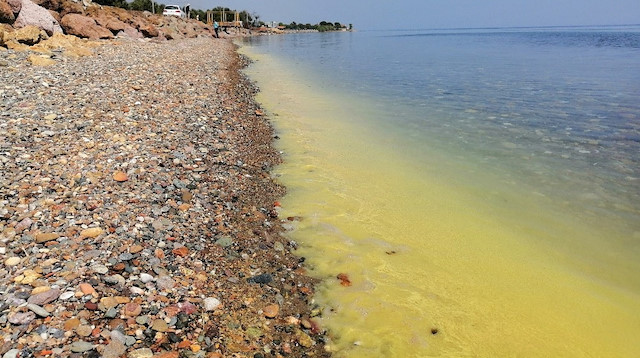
[137,212]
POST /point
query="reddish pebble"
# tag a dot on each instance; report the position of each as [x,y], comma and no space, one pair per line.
[344,279]
[184,344]
[180,251]
[132,309]
[91,306]
[120,176]
[87,289]
[271,311]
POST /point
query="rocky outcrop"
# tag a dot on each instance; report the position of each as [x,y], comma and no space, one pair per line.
[6,13]
[110,22]
[15,5]
[32,14]
[84,26]
[29,35]
[87,20]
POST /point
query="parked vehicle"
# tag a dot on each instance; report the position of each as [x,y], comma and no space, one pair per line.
[172,10]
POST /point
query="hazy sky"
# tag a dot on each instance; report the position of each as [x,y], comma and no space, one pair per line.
[421,14]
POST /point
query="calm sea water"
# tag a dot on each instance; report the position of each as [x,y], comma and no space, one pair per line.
[480,183]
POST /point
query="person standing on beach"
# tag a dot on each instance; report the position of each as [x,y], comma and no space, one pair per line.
[215,28]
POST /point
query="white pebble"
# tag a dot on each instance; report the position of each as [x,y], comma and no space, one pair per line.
[211,303]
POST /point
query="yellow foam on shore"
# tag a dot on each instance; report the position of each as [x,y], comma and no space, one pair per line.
[437,269]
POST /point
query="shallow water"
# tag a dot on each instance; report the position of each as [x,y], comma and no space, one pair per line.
[482,187]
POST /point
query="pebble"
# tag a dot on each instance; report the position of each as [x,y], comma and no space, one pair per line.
[45,297]
[66,295]
[38,310]
[141,353]
[83,330]
[12,353]
[145,278]
[114,349]
[81,346]
[20,318]
[159,325]
[91,233]
[79,245]
[12,261]
[165,282]
[271,311]
[211,303]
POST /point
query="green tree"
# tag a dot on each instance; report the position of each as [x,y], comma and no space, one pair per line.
[142,5]
[115,3]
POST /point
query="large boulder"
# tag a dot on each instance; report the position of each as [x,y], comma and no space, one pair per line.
[6,13]
[109,22]
[16,5]
[130,32]
[29,35]
[32,14]
[84,26]
[6,33]
[147,29]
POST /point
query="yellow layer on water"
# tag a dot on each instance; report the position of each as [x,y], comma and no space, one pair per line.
[427,256]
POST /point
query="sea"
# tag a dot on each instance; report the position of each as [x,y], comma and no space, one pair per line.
[477,191]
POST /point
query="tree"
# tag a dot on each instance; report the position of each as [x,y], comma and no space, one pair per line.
[115,3]
[141,5]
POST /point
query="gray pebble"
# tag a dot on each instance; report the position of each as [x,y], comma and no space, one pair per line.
[37,310]
[81,346]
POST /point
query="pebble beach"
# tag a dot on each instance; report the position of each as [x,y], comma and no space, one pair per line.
[138,215]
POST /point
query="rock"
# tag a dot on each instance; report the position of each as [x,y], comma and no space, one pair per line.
[271,311]
[159,325]
[114,349]
[109,302]
[81,346]
[304,339]
[165,282]
[67,295]
[71,324]
[20,318]
[120,176]
[84,26]
[224,241]
[15,5]
[41,60]
[109,22]
[132,309]
[262,278]
[180,251]
[145,278]
[91,232]
[37,310]
[32,14]
[100,268]
[45,297]
[211,303]
[12,353]
[141,353]
[83,330]
[12,261]
[6,13]
[187,307]
[45,237]
[87,289]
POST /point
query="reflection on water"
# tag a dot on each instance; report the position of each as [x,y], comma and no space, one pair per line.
[483,203]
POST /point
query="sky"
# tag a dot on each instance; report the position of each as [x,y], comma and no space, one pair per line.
[429,14]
